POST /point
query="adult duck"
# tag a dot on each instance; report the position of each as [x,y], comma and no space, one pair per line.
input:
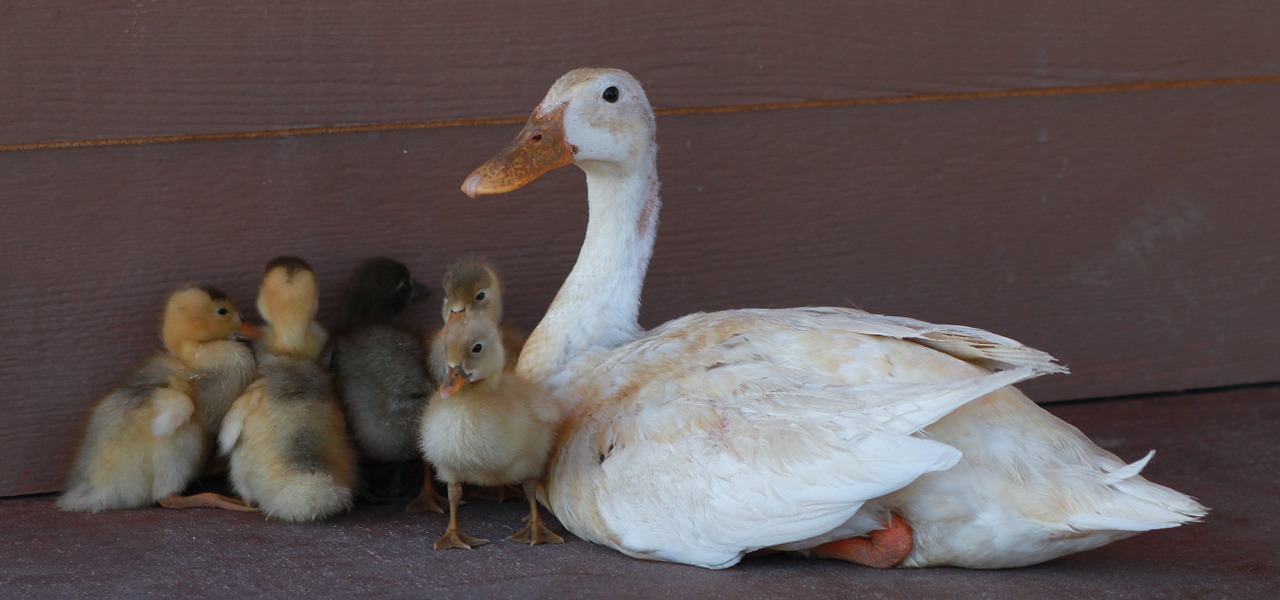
[881,440]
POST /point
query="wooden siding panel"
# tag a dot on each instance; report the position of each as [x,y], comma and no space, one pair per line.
[1132,235]
[77,70]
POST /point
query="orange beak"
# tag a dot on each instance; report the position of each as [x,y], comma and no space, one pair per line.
[452,383]
[540,147]
[248,331]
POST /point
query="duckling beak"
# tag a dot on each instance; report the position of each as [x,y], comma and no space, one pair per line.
[248,332]
[453,382]
[420,291]
[540,147]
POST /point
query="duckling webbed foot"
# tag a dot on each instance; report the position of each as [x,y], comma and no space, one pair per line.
[534,532]
[882,548]
[453,536]
[428,499]
[206,500]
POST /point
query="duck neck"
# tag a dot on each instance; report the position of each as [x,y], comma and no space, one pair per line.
[303,339]
[598,306]
[186,351]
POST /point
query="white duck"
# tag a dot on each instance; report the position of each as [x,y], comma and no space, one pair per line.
[806,429]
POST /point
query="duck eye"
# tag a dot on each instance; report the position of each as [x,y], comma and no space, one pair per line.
[480,296]
[610,94]
[477,349]
[222,310]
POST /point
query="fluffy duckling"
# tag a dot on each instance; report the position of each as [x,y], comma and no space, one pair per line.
[146,441]
[487,427]
[472,287]
[286,436]
[379,370]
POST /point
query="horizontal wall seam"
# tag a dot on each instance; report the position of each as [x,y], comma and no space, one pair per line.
[1110,88]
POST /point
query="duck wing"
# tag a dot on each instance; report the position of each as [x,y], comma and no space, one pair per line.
[724,433]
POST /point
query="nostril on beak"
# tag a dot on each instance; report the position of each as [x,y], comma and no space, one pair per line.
[537,138]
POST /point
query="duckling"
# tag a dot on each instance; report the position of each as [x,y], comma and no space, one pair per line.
[379,370]
[487,427]
[145,442]
[473,287]
[285,435]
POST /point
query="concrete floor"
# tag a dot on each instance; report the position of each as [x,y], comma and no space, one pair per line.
[1221,447]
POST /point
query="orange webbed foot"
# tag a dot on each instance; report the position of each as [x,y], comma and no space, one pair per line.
[882,548]
[536,533]
[454,538]
[427,500]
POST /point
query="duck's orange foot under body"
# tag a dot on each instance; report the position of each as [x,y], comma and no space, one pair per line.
[882,548]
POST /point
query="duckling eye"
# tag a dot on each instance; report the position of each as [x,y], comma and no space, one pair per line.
[610,94]
[477,349]
[222,310]
[480,296]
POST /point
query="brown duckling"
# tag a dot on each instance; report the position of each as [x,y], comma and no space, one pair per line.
[286,437]
[487,427]
[146,441]
[380,373]
[472,287]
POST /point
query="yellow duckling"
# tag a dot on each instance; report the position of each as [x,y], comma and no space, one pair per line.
[285,436]
[488,428]
[145,441]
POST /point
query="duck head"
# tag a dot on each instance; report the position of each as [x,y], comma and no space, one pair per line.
[197,314]
[598,119]
[288,301]
[473,351]
[381,289]
[472,287]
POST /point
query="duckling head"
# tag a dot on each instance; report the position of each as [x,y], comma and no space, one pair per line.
[472,287]
[598,119]
[288,301]
[379,290]
[197,314]
[473,351]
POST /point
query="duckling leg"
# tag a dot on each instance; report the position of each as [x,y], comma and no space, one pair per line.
[428,499]
[453,537]
[206,500]
[882,548]
[534,532]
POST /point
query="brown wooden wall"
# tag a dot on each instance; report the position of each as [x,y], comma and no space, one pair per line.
[1096,179]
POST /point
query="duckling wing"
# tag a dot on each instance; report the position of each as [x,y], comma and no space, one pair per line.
[172,410]
[726,433]
[233,423]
